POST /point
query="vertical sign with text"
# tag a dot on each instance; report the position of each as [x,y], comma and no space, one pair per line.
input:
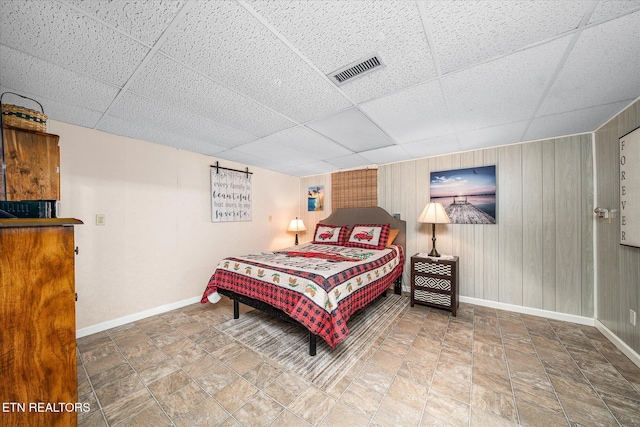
[630,189]
[230,196]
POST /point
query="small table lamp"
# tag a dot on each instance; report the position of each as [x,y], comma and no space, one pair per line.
[434,214]
[296,225]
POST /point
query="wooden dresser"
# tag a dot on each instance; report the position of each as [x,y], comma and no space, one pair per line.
[38,323]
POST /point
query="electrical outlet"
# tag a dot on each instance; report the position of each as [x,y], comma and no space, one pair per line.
[632,317]
[101,219]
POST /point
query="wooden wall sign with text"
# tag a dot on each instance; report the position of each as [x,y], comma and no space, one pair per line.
[230,195]
[630,189]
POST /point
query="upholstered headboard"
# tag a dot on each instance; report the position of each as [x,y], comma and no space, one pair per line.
[372,215]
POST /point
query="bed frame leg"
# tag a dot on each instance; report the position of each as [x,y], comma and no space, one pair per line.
[236,309]
[312,344]
[397,288]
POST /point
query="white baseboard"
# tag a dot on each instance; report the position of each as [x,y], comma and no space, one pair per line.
[581,320]
[622,346]
[134,317]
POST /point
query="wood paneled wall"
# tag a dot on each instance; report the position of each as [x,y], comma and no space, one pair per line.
[540,252]
[618,267]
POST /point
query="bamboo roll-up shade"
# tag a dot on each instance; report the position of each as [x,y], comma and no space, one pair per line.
[354,189]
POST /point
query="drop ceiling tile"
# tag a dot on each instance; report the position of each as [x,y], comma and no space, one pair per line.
[392,154]
[147,132]
[350,161]
[288,170]
[417,113]
[502,91]
[611,8]
[138,110]
[305,140]
[267,149]
[26,73]
[316,168]
[572,122]
[602,68]
[433,146]
[60,35]
[167,81]
[469,32]
[354,30]
[250,159]
[353,130]
[143,20]
[492,136]
[225,42]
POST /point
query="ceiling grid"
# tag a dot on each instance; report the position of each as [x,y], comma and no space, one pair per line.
[247,80]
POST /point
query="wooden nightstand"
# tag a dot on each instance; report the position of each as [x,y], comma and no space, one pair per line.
[434,282]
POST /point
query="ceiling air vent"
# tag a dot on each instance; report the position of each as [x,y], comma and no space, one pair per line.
[357,69]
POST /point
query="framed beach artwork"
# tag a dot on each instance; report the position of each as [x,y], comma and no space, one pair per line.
[468,195]
[315,198]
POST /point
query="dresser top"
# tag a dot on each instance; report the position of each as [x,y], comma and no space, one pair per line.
[38,222]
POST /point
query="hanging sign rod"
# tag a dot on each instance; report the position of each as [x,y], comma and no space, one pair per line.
[218,167]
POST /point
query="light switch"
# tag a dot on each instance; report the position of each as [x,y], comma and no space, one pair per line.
[101,219]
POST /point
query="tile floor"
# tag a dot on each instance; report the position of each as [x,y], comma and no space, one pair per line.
[483,367]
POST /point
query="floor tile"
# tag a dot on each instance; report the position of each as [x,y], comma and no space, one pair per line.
[312,405]
[394,412]
[286,387]
[361,399]
[444,410]
[483,367]
[489,400]
[206,413]
[259,411]
[411,393]
[343,415]
[168,384]
[152,416]
[128,407]
[262,375]
[235,394]
[183,400]
[288,418]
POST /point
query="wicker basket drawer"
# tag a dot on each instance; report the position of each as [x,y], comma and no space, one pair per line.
[433,298]
[433,268]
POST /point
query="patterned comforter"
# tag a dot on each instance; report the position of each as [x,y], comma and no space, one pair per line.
[320,286]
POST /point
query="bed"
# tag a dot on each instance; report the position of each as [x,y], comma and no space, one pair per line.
[356,255]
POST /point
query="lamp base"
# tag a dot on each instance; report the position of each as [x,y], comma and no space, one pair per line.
[296,239]
[434,252]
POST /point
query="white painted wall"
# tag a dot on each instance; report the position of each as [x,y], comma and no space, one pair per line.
[159,245]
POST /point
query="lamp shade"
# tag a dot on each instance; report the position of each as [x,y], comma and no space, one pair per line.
[434,213]
[296,225]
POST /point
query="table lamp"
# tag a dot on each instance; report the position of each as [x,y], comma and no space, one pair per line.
[296,225]
[433,214]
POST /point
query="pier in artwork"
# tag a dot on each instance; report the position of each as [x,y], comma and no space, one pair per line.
[463,212]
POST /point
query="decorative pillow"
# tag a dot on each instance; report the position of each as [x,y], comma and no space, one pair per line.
[327,234]
[369,236]
[393,233]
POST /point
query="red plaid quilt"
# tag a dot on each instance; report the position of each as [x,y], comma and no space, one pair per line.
[320,286]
